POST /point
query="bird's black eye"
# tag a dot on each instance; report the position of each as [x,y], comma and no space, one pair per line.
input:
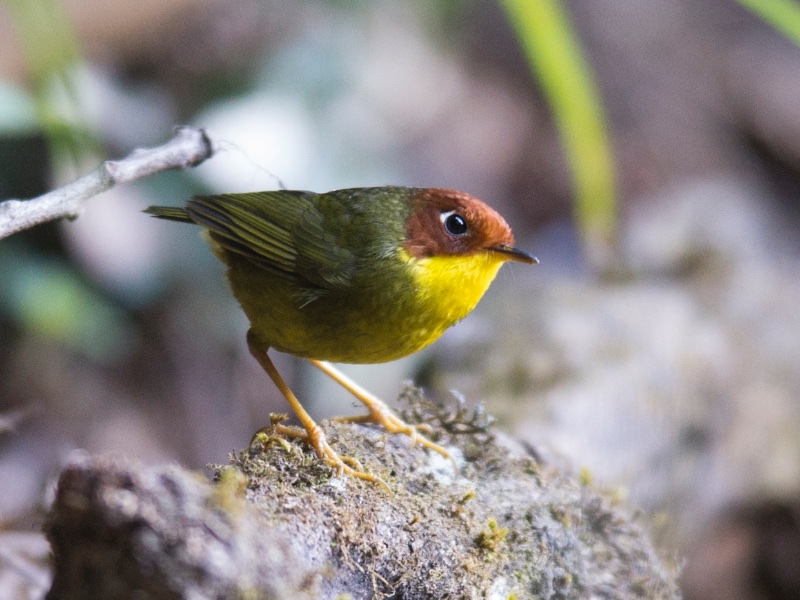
[454,223]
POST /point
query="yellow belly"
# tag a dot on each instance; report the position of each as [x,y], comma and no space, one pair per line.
[369,324]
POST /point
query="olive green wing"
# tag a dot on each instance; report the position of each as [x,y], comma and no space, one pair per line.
[169,213]
[281,231]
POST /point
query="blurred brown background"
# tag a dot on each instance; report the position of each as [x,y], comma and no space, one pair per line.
[675,381]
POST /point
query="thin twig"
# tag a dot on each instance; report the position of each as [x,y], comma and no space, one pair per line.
[189,147]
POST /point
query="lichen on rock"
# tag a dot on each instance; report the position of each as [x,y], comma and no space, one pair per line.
[278,523]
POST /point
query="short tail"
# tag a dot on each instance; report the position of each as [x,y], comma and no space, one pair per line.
[171,213]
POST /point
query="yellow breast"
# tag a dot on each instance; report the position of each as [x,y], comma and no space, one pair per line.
[448,288]
[366,325]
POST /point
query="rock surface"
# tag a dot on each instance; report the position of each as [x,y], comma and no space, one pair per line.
[277,523]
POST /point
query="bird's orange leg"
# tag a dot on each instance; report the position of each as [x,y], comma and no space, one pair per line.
[379,412]
[314,434]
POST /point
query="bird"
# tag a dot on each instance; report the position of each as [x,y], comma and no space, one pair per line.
[360,275]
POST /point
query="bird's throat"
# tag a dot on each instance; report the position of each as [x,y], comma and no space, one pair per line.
[449,287]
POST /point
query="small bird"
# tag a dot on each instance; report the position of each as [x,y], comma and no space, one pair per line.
[361,275]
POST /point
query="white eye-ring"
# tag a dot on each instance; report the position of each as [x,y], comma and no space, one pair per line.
[454,223]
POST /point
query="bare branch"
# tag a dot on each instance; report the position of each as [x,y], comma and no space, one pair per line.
[188,148]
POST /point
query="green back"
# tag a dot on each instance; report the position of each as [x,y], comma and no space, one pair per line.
[325,242]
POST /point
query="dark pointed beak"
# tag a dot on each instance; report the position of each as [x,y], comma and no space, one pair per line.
[514,254]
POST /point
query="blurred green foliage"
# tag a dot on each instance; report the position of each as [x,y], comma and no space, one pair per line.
[41,293]
[44,295]
[556,58]
[53,58]
[18,115]
[783,15]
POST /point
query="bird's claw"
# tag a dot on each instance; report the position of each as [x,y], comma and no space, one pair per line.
[381,415]
[343,464]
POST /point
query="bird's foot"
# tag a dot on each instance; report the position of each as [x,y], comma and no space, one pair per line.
[382,415]
[345,465]
[277,432]
[379,413]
